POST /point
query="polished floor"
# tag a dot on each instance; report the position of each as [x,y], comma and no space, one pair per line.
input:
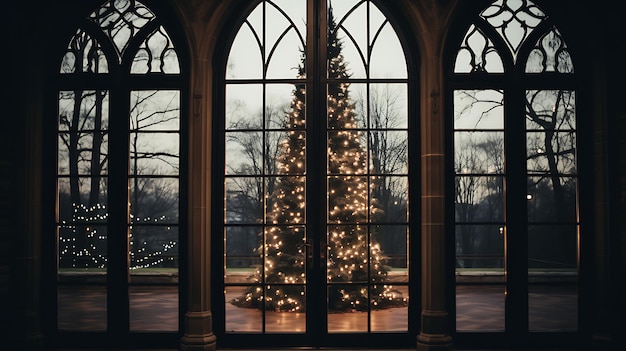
[479,308]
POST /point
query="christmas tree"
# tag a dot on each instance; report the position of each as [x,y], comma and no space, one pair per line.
[353,257]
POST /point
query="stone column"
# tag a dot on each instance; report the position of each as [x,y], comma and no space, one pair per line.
[434,333]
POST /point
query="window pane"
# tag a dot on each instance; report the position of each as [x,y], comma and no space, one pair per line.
[479,199]
[243,200]
[286,200]
[551,153]
[387,56]
[389,199]
[243,319]
[244,106]
[153,308]
[550,55]
[154,153]
[284,254]
[156,54]
[84,54]
[244,250]
[552,199]
[388,152]
[284,106]
[390,319]
[478,109]
[81,307]
[553,277]
[154,110]
[393,243]
[388,106]
[477,54]
[480,248]
[87,112]
[154,200]
[479,152]
[244,153]
[154,249]
[550,110]
[82,200]
[286,152]
[347,308]
[347,199]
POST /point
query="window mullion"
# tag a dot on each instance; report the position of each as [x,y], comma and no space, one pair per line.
[117,283]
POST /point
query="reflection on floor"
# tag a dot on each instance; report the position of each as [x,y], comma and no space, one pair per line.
[156,309]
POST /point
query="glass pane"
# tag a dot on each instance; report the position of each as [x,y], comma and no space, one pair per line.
[552,199]
[82,153]
[347,199]
[87,112]
[154,153]
[156,54]
[154,251]
[347,308]
[390,319]
[287,51]
[238,317]
[152,110]
[478,109]
[387,57]
[479,152]
[551,153]
[245,60]
[552,249]
[244,106]
[81,307]
[389,199]
[244,249]
[293,321]
[84,54]
[479,199]
[284,106]
[550,110]
[388,106]
[477,54]
[286,200]
[82,248]
[550,55]
[393,243]
[479,251]
[286,152]
[348,41]
[553,307]
[389,152]
[480,307]
[153,308]
[154,200]
[244,153]
[82,200]
[346,152]
[553,277]
[348,256]
[285,257]
[243,200]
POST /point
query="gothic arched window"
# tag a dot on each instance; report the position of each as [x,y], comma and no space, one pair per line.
[314,208]
[513,173]
[119,160]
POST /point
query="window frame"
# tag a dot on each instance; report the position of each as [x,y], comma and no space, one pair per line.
[119,82]
[317,74]
[514,82]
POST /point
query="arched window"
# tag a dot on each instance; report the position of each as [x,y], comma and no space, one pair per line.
[513,173]
[119,160]
[314,207]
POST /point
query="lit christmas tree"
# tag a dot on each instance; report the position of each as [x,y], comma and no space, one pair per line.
[349,259]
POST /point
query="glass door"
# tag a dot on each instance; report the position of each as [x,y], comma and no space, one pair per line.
[315,220]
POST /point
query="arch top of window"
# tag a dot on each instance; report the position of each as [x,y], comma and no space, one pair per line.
[120,22]
[514,21]
[271,42]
